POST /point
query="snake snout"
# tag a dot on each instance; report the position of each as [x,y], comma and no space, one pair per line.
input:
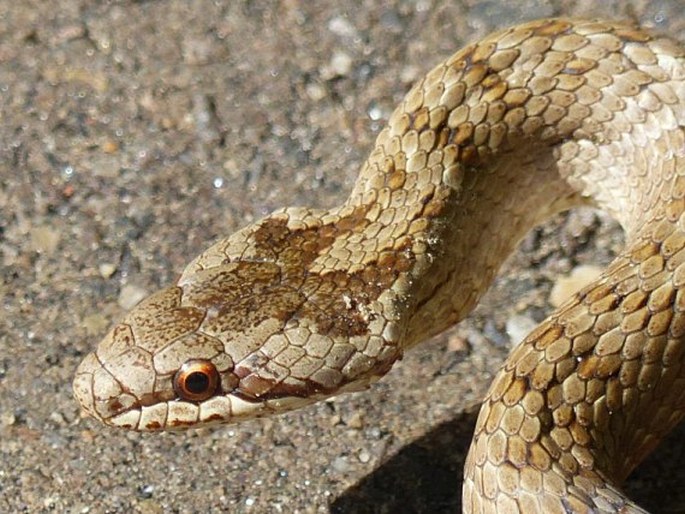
[99,393]
[83,386]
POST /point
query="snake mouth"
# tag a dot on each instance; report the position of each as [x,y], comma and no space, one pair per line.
[102,397]
[179,415]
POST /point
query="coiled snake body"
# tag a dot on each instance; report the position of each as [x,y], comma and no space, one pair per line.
[308,303]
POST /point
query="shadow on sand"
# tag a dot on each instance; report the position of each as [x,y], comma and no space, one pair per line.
[426,476]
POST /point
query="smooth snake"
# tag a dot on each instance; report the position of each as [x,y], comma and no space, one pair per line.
[309,303]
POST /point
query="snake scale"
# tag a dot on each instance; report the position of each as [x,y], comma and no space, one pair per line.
[308,303]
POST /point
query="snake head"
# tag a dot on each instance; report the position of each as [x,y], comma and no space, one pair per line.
[236,341]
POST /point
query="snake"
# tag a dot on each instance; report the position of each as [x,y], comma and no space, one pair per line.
[307,303]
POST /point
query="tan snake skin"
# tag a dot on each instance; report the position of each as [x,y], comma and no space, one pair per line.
[306,303]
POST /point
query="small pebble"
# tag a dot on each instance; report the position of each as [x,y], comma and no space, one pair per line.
[340,464]
[356,420]
[518,327]
[457,344]
[69,33]
[107,269]
[7,419]
[315,91]
[339,66]
[87,435]
[95,324]
[576,280]
[57,418]
[341,26]
[110,146]
[50,502]
[130,296]
[375,112]
[147,491]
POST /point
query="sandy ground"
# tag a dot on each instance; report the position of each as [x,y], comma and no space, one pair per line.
[132,134]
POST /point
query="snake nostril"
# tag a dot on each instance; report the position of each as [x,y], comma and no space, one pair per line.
[196,380]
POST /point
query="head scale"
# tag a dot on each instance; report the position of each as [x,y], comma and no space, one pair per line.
[234,342]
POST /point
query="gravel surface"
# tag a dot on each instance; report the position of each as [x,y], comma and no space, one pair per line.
[132,134]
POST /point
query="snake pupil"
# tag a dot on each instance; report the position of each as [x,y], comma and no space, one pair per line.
[197,382]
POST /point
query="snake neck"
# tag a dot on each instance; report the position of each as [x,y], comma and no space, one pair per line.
[489,144]
[495,140]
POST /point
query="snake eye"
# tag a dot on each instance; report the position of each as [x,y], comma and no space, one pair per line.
[196,380]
